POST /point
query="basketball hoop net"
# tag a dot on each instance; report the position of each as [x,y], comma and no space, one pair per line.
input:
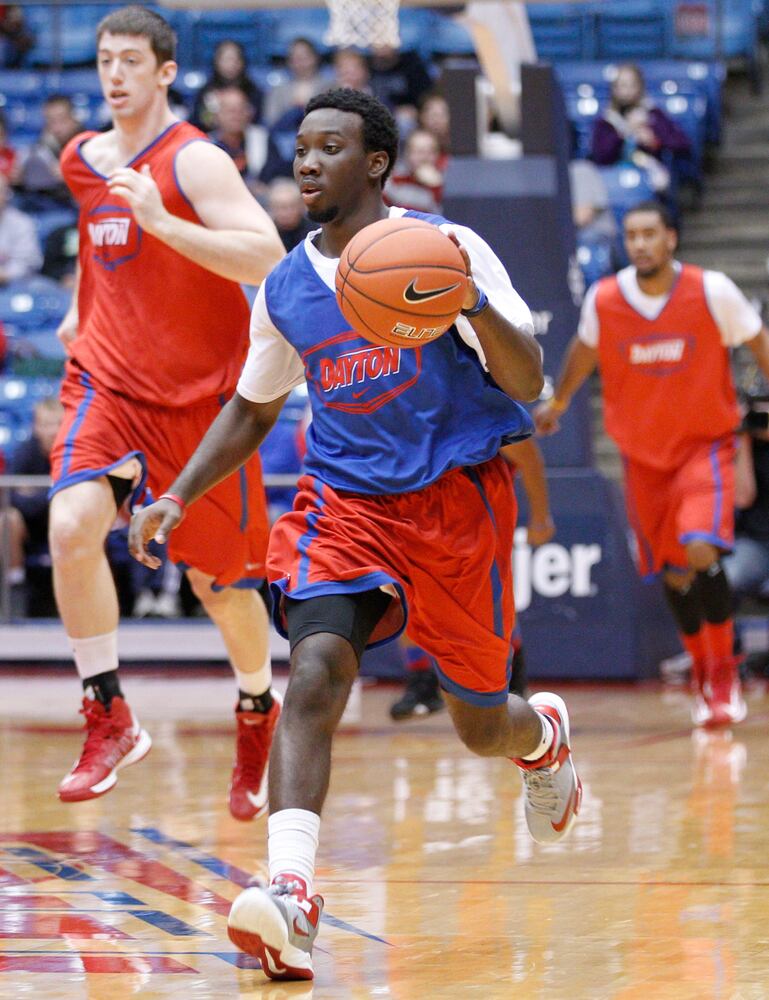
[363,23]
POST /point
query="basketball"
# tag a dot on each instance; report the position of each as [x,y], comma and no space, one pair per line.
[401,282]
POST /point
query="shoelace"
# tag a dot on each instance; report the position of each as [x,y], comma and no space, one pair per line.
[285,888]
[541,793]
[100,728]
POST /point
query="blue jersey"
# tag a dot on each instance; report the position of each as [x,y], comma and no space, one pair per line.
[384,419]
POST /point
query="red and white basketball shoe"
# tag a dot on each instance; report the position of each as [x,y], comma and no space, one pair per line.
[278,925]
[248,786]
[723,692]
[700,706]
[113,740]
[552,786]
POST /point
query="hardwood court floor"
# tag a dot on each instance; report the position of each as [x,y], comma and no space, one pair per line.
[433,889]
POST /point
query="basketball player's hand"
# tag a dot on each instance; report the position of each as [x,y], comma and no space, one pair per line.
[472,294]
[547,418]
[156,521]
[139,189]
[67,329]
[540,531]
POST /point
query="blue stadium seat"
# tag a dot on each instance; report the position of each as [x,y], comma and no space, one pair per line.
[562,31]
[65,34]
[629,30]
[21,83]
[284,27]
[251,28]
[704,38]
[447,37]
[46,222]
[595,259]
[627,185]
[33,304]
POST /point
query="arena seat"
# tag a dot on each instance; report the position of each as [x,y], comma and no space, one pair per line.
[33,304]
[287,25]
[65,34]
[630,30]
[562,31]
[627,185]
[252,29]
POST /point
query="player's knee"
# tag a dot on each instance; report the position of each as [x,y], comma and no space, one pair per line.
[71,537]
[480,735]
[701,555]
[319,687]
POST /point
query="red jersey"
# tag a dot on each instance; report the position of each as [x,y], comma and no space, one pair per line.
[153,325]
[667,384]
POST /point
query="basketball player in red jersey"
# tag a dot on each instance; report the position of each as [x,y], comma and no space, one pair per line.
[157,335]
[660,333]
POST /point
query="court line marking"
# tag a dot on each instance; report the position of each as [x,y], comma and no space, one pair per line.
[237,875]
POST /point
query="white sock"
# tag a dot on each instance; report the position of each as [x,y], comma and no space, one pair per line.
[548,736]
[16,575]
[95,655]
[255,682]
[292,842]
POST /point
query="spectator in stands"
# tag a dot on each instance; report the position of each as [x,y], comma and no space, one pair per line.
[399,79]
[26,520]
[351,71]
[60,254]
[233,130]
[7,152]
[434,117]
[633,128]
[416,181]
[20,253]
[303,63]
[15,38]
[747,566]
[38,177]
[593,217]
[286,209]
[229,69]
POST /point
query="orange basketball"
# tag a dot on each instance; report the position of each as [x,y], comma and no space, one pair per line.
[400,282]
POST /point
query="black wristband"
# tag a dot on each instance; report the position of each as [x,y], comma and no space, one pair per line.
[479,306]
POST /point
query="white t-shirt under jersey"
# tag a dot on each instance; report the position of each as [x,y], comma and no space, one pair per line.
[273,367]
[735,317]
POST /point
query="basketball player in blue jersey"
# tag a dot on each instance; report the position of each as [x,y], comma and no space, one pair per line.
[405,507]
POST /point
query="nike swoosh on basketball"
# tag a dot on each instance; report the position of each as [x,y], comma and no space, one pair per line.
[412,295]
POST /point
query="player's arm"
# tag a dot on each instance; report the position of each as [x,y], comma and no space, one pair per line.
[527,457]
[759,345]
[579,363]
[67,329]
[745,486]
[237,240]
[228,443]
[512,355]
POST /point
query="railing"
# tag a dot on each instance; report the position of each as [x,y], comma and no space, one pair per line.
[8,483]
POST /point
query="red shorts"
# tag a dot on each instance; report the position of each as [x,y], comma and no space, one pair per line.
[224,534]
[447,550]
[669,508]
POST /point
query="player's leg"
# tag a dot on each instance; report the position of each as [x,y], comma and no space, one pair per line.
[465,620]
[80,518]
[241,617]
[13,534]
[705,520]
[683,597]
[328,635]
